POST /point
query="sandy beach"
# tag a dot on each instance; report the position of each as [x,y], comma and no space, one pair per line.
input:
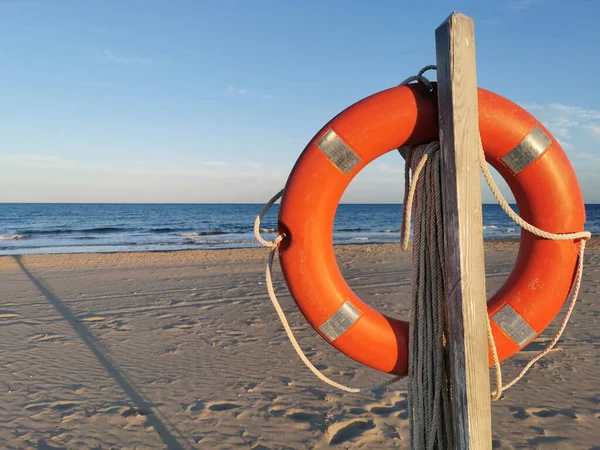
[183,350]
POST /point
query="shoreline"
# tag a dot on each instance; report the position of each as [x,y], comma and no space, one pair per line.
[491,244]
[234,255]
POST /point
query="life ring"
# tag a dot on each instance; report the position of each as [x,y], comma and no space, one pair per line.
[518,146]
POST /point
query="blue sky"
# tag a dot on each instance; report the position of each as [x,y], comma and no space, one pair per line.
[198,101]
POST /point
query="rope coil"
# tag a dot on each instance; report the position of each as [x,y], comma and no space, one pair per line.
[429,405]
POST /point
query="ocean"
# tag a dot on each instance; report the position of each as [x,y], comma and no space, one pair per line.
[82,228]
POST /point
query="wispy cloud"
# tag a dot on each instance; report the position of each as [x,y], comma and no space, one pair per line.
[233,91]
[214,163]
[565,120]
[595,129]
[135,180]
[108,55]
[388,168]
[37,160]
[149,167]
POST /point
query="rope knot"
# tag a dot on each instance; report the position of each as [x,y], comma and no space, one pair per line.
[275,242]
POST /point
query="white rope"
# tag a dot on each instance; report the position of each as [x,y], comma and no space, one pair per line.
[290,334]
[582,235]
[429,408]
[514,216]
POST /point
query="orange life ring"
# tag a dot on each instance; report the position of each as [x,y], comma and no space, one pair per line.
[518,146]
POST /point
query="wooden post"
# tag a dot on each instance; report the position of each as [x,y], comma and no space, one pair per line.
[463,233]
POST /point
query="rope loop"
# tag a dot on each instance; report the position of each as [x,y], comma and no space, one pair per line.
[261,214]
[272,245]
[420,78]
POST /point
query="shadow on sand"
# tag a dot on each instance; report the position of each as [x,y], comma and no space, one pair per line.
[85,335]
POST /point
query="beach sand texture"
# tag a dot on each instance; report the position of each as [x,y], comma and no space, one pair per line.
[183,350]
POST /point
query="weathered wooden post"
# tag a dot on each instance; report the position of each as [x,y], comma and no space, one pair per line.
[463,239]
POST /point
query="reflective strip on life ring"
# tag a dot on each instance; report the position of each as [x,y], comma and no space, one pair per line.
[518,146]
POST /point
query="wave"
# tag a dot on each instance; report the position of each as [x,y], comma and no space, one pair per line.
[14,237]
[209,242]
[360,239]
[268,230]
[391,231]
[74,230]
[73,246]
[490,227]
[201,233]
[350,229]
[163,230]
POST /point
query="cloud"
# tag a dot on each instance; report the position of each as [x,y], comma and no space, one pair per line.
[41,178]
[214,163]
[108,55]
[388,168]
[37,160]
[565,120]
[595,129]
[233,91]
[186,168]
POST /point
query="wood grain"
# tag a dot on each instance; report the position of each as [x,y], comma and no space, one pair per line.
[463,233]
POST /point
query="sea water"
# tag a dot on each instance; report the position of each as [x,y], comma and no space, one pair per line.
[78,228]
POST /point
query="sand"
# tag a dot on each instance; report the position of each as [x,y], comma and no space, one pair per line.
[183,350]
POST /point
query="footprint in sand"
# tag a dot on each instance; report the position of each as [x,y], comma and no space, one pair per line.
[134,412]
[35,407]
[497,444]
[79,389]
[269,395]
[198,406]
[547,440]
[223,406]
[345,431]
[313,419]
[546,413]
[63,405]
[390,431]
[43,445]
[520,413]
[382,410]
[277,412]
